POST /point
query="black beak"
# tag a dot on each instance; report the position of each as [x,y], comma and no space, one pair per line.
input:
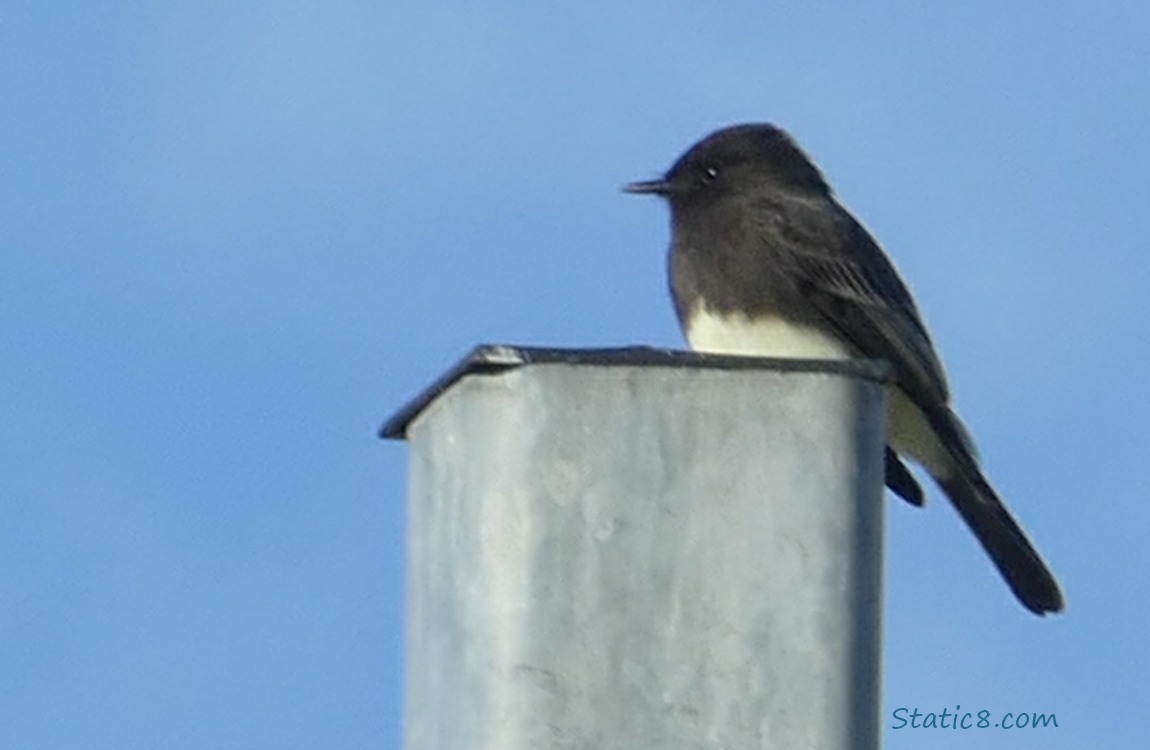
[650,187]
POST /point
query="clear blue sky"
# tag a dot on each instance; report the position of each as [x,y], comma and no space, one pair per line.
[234,236]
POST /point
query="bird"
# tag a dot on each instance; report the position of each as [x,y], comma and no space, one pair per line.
[764,261]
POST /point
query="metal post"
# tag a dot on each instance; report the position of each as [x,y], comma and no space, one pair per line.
[644,550]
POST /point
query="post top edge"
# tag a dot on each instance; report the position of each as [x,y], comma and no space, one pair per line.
[493,358]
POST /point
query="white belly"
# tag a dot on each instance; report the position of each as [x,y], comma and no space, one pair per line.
[768,336]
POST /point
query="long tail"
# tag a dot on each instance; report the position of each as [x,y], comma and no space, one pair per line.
[1003,539]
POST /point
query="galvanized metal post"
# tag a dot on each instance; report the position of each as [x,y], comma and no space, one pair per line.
[644,550]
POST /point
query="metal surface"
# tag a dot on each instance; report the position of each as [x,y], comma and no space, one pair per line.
[490,358]
[645,557]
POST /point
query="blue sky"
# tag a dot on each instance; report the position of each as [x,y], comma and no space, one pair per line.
[235,236]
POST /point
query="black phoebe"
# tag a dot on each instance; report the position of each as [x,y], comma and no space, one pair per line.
[764,261]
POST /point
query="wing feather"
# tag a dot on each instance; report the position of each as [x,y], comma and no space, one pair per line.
[850,280]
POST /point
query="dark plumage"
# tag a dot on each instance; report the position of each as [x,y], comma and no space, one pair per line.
[765,261]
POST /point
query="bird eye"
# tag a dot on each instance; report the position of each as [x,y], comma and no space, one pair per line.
[709,175]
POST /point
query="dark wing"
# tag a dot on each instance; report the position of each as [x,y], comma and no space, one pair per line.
[841,269]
